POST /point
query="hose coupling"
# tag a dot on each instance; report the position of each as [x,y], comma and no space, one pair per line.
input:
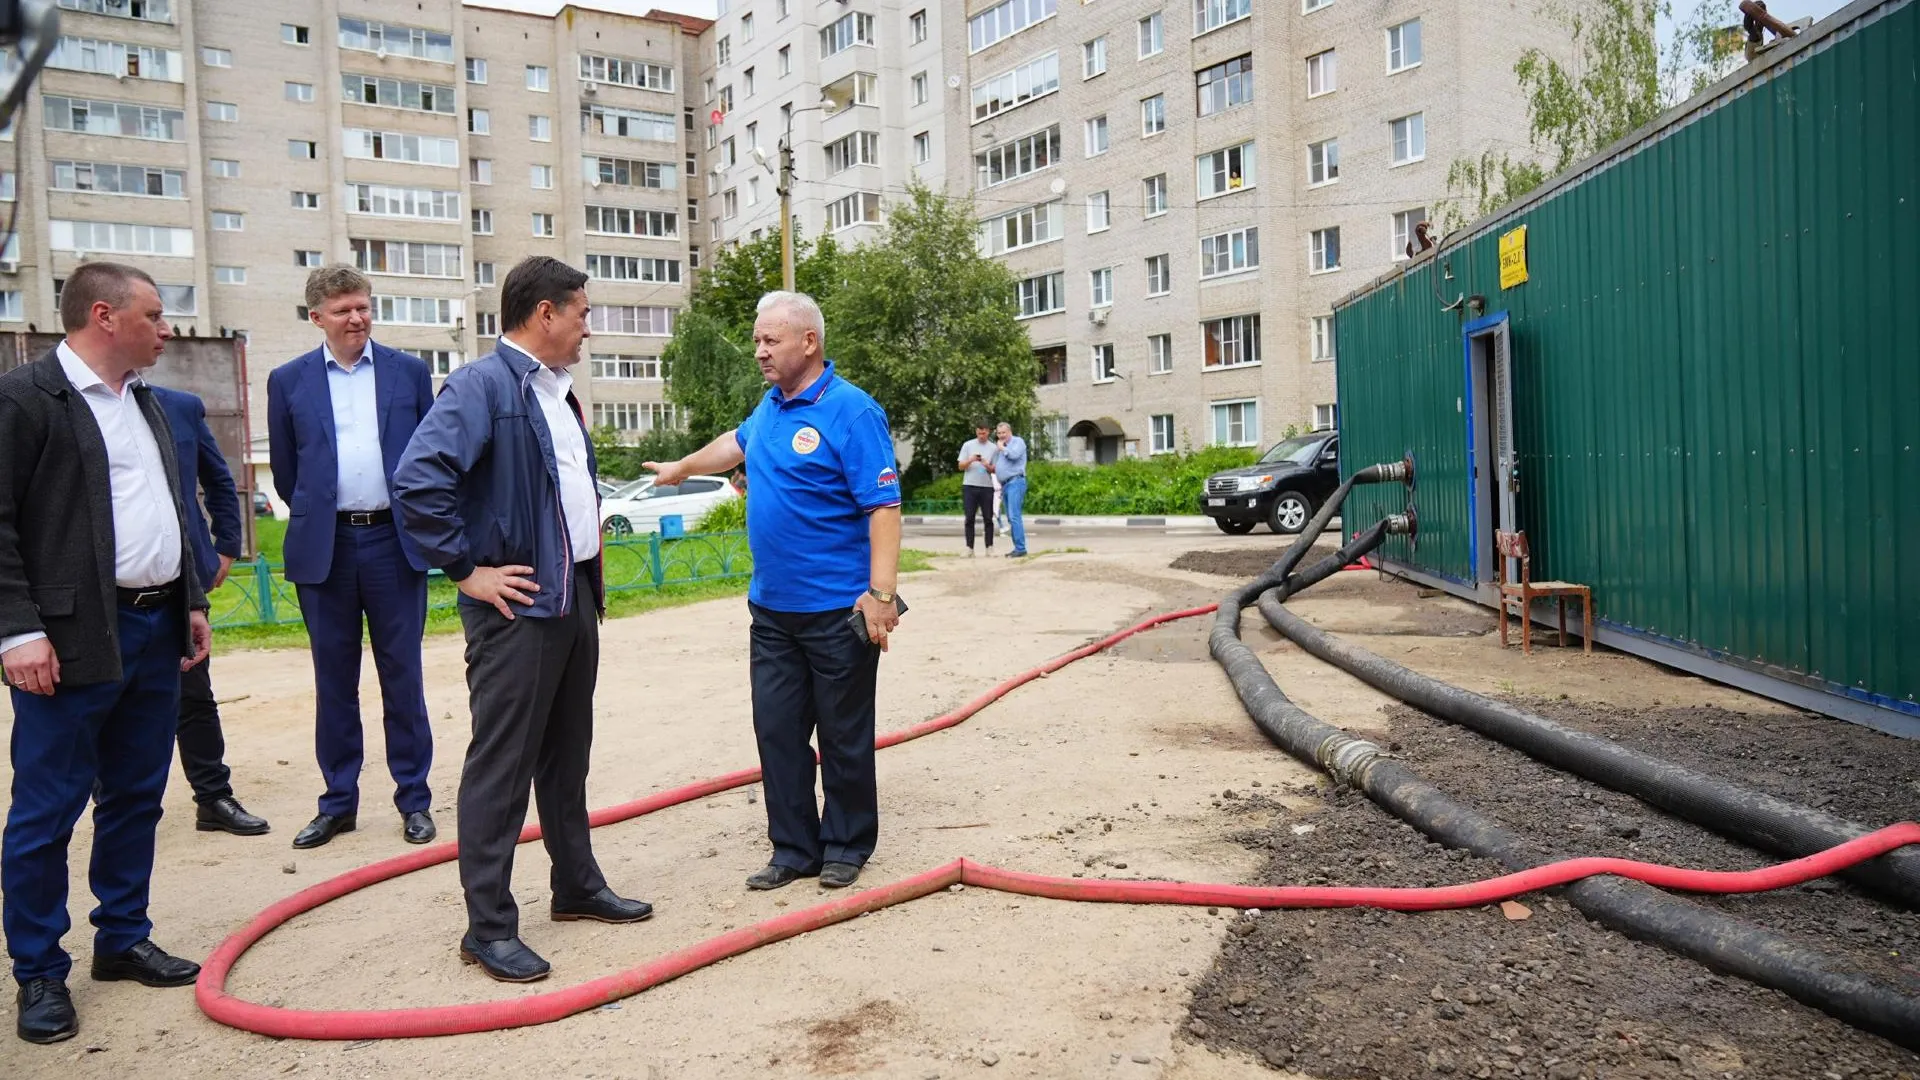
[1406,524]
[1347,758]
[1393,470]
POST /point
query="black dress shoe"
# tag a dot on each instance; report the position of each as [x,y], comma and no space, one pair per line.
[774,876]
[228,816]
[46,1012]
[323,828]
[838,875]
[418,827]
[507,960]
[147,964]
[604,906]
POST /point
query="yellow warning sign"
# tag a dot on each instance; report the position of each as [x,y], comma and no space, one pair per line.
[1513,258]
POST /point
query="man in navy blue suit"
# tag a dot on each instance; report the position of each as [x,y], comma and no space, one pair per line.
[202,747]
[338,419]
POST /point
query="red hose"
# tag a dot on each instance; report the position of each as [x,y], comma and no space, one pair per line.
[210,993]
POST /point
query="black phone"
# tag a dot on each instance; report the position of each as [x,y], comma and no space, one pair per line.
[857,621]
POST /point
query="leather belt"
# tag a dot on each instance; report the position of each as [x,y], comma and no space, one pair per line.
[366,517]
[152,596]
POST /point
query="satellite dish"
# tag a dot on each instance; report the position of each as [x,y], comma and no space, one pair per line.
[953,82]
[1057,186]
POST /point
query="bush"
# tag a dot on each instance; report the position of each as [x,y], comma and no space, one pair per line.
[729,516]
[1163,484]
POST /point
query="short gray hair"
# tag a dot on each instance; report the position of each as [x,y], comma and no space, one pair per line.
[803,308]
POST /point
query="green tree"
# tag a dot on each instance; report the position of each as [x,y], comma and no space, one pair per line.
[1479,186]
[1703,51]
[926,324]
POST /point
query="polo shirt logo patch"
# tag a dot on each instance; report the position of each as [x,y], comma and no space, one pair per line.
[806,441]
[888,477]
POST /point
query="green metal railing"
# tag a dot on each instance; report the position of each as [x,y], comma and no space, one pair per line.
[255,593]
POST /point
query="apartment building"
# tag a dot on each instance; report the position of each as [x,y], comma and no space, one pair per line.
[1184,189]
[228,153]
[855,87]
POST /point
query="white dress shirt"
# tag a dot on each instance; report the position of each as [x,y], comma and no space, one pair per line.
[362,479]
[146,527]
[577,492]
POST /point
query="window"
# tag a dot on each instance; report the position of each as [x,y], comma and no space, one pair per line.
[1323,337]
[917,27]
[406,40]
[618,415]
[300,311]
[1307,6]
[306,260]
[1096,136]
[1323,162]
[1100,287]
[1159,275]
[1230,342]
[1323,73]
[1224,86]
[305,200]
[1403,46]
[729,207]
[746,28]
[227,221]
[1409,138]
[295,35]
[480,170]
[538,78]
[1093,58]
[1323,250]
[1005,19]
[1042,295]
[1021,157]
[1225,171]
[723,51]
[649,271]
[479,122]
[113,118]
[1023,228]
[540,177]
[629,123]
[224,168]
[623,172]
[642,321]
[9,192]
[229,275]
[97,237]
[786,60]
[298,91]
[635,73]
[178,300]
[858,148]
[224,111]
[727,153]
[923,148]
[1154,188]
[1159,354]
[160,11]
[1106,367]
[397,94]
[111,179]
[853,28]
[483,273]
[1010,89]
[486,324]
[483,222]
[1153,115]
[543,224]
[476,70]
[216,58]
[415,310]
[440,362]
[540,128]
[394,146]
[1153,35]
[1160,429]
[408,258]
[1229,252]
[627,221]
[626,368]
[1236,423]
[746,78]
[1099,212]
[419,204]
[859,207]
[919,83]
[1326,417]
[1209,15]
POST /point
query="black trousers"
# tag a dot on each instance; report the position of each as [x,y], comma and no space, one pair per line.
[974,497]
[530,687]
[203,749]
[812,674]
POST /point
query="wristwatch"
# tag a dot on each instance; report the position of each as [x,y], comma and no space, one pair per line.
[883,597]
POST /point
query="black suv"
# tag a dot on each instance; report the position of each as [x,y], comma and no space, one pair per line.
[1283,488]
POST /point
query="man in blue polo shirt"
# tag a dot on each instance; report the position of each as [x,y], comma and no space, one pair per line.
[823,522]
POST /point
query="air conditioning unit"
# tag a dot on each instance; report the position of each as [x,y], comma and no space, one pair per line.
[1098,316]
[588,89]
[9,266]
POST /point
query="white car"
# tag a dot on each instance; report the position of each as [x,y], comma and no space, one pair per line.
[639,506]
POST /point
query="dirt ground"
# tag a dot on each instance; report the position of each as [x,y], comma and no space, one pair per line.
[1116,766]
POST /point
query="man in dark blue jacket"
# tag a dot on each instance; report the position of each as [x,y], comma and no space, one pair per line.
[202,747]
[339,418]
[497,490]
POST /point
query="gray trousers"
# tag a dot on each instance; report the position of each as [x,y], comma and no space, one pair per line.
[530,688]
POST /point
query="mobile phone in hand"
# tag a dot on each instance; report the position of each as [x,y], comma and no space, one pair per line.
[858,620]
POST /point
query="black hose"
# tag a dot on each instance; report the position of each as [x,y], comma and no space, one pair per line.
[1681,926]
[1733,811]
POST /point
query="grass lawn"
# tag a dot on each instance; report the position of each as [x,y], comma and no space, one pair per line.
[269,533]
